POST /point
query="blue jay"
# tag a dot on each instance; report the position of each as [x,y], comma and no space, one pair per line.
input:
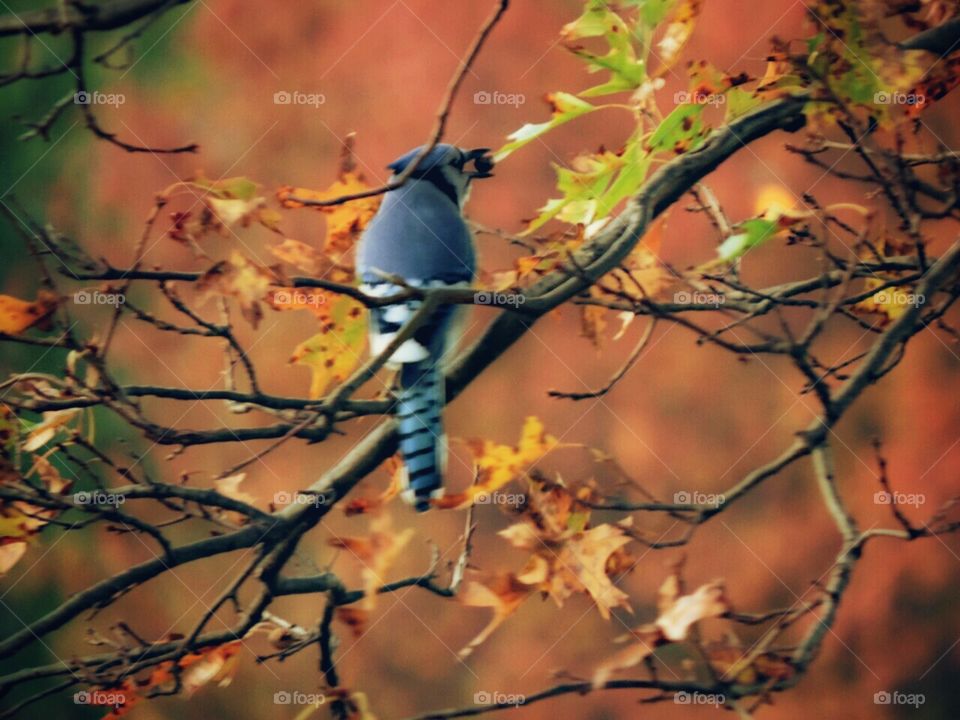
[420,236]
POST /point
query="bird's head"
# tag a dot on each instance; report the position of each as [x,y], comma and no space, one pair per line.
[450,169]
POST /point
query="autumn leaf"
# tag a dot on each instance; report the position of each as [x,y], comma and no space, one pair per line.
[376,553]
[497,464]
[724,657]
[888,300]
[395,470]
[227,202]
[44,431]
[503,595]
[582,566]
[354,618]
[705,602]
[20,521]
[677,34]
[217,665]
[302,256]
[641,275]
[214,664]
[346,221]
[565,107]
[335,351]
[230,487]
[17,315]
[241,279]
[677,615]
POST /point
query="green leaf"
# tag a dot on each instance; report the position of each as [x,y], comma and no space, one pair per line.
[652,12]
[636,164]
[680,130]
[332,354]
[627,71]
[740,102]
[566,107]
[235,188]
[751,233]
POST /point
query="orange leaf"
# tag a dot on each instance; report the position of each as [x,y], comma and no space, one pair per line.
[376,553]
[345,221]
[17,315]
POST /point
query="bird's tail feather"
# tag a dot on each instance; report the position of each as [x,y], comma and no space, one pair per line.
[422,443]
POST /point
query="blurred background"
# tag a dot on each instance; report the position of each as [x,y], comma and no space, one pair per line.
[686,418]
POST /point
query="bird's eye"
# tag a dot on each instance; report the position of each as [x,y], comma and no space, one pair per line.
[483,164]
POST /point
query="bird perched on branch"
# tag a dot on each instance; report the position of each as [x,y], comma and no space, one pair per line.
[419,237]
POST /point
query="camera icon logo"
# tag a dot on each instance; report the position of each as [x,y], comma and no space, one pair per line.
[482,97]
[282,97]
[882,497]
[81,498]
[81,98]
[682,498]
[482,698]
[682,698]
[82,297]
[882,698]
[81,698]
[282,697]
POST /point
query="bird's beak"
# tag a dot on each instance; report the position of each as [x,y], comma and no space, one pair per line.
[482,163]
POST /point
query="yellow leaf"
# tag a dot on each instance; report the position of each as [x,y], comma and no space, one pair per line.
[890,302]
[499,464]
[336,350]
[17,315]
